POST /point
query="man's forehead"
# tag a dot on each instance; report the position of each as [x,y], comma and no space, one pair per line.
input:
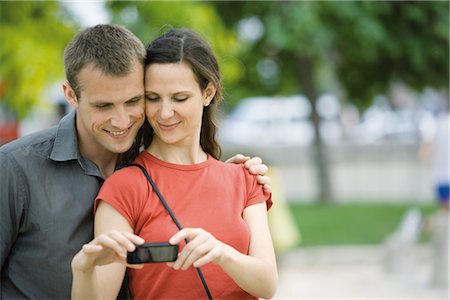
[98,87]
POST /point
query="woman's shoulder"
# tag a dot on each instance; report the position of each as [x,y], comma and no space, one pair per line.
[230,170]
[128,174]
[127,180]
[232,167]
[126,171]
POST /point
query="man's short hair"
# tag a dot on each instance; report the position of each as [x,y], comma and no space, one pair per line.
[112,49]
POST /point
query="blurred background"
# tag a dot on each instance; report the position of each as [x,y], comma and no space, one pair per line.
[343,101]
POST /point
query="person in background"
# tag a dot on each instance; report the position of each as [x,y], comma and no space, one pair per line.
[435,148]
[49,179]
[221,206]
[439,221]
[440,159]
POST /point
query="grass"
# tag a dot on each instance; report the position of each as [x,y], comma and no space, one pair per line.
[338,224]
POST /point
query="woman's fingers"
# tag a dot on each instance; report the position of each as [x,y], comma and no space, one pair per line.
[92,248]
[196,248]
[113,243]
[186,233]
[106,248]
[119,241]
[210,256]
[203,254]
[134,238]
[202,248]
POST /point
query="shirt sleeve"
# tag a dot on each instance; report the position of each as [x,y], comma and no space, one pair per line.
[255,191]
[12,200]
[126,191]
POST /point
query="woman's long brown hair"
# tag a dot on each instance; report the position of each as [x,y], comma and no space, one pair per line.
[183,45]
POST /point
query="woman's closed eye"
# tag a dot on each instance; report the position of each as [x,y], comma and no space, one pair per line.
[154,98]
[151,98]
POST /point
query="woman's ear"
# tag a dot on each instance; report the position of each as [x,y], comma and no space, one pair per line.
[209,94]
[69,94]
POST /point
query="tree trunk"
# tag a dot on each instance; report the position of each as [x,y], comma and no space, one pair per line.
[306,76]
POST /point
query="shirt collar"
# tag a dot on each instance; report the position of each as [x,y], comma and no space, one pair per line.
[65,146]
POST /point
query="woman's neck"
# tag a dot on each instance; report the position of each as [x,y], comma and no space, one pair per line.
[177,155]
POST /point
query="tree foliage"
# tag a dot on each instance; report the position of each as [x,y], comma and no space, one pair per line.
[357,47]
[33,35]
[401,41]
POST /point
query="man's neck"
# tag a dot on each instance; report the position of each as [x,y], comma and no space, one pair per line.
[104,160]
[106,166]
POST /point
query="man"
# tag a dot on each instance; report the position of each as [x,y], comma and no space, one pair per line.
[48,180]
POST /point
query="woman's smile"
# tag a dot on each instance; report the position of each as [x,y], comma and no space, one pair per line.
[169,126]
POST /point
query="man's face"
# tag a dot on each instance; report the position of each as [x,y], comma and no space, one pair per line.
[110,110]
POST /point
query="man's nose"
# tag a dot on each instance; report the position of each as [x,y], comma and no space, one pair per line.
[121,119]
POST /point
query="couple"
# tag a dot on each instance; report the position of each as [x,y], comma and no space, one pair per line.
[47,200]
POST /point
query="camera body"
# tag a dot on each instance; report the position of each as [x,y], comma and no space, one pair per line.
[153,253]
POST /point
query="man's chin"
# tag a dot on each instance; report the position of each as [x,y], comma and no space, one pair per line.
[120,148]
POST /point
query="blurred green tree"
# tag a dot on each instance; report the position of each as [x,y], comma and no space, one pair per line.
[33,35]
[357,48]
[362,45]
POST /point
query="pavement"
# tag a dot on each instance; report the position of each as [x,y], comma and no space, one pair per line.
[358,272]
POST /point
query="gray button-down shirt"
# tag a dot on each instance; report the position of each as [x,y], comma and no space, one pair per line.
[46,211]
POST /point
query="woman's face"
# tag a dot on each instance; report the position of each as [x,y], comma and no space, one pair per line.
[174,103]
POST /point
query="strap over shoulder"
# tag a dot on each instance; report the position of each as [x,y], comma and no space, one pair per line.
[175,220]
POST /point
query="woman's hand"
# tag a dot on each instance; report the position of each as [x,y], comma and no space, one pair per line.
[202,249]
[105,249]
[254,166]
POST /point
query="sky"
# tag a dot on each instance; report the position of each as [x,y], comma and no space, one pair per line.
[89,12]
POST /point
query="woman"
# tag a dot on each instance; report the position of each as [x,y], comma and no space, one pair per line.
[221,206]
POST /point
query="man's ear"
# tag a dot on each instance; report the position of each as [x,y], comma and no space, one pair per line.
[209,94]
[69,94]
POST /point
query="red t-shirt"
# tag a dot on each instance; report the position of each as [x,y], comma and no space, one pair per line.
[211,195]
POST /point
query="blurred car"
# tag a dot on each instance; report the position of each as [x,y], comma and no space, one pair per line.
[401,126]
[269,121]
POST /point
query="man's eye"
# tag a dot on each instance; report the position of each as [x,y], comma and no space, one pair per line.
[102,106]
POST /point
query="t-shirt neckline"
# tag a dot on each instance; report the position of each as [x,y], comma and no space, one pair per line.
[166,164]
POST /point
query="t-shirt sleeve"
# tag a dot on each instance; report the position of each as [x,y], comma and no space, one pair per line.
[255,191]
[126,191]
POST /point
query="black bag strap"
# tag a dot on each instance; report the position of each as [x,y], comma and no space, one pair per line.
[175,220]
